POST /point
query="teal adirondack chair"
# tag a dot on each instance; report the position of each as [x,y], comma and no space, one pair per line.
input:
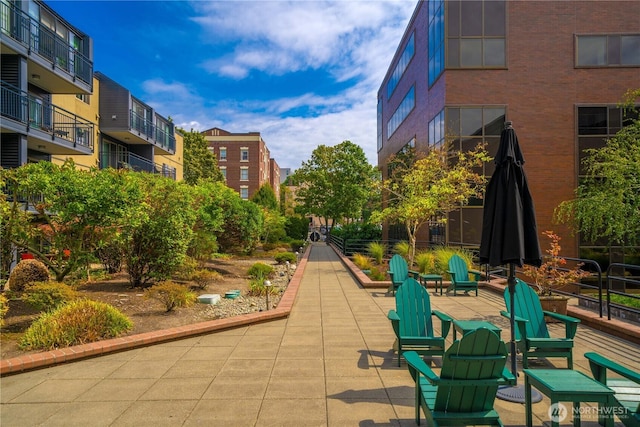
[531,331]
[399,272]
[464,394]
[626,384]
[412,321]
[460,280]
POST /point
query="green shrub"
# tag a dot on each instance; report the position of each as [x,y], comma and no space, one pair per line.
[426,262]
[402,249]
[80,321]
[257,288]
[27,271]
[4,307]
[283,257]
[363,262]
[377,275]
[187,268]
[260,270]
[377,251]
[204,278]
[295,245]
[47,296]
[172,295]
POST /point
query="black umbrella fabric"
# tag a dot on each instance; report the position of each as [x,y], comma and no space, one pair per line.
[509,230]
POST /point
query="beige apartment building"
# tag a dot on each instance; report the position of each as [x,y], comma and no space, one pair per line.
[244,160]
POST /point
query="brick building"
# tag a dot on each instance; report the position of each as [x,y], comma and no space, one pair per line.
[556,69]
[244,160]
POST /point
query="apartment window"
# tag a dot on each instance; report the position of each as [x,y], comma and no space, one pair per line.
[608,50]
[436,40]
[223,169]
[244,192]
[244,174]
[403,63]
[223,154]
[401,113]
[476,32]
[244,154]
[436,130]
[83,97]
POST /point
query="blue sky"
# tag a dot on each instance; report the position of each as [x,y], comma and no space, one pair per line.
[302,73]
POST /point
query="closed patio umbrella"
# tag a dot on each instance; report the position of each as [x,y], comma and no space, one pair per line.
[509,230]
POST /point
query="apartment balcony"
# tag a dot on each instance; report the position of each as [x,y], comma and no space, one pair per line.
[49,128]
[53,63]
[131,161]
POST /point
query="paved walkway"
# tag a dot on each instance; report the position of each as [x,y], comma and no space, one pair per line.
[330,363]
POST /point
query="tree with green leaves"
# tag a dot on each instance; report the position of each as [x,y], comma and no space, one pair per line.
[157,243]
[265,197]
[335,184]
[199,163]
[607,202]
[423,186]
[61,214]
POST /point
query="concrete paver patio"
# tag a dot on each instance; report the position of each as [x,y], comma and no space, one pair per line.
[330,363]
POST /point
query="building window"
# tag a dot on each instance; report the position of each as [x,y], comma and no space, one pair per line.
[379,124]
[83,97]
[476,32]
[436,130]
[596,124]
[223,170]
[436,40]
[403,63]
[608,50]
[401,113]
[244,174]
[223,154]
[244,154]
[244,192]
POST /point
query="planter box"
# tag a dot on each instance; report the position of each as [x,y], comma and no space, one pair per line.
[554,304]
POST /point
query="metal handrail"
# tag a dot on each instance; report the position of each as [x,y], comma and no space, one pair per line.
[623,279]
[36,113]
[19,26]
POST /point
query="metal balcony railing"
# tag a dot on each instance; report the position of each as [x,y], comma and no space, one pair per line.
[127,160]
[160,137]
[19,26]
[35,113]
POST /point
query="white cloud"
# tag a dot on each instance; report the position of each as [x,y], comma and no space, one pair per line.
[354,41]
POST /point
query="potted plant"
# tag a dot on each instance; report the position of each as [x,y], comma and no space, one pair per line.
[553,274]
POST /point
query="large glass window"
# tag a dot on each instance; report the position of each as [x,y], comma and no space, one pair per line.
[244,174]
[436,40]
[244,154]
[244,192]
[403,63]
[223,154]
[476,31]
[469,126]
[401,113]
[436,130]
[608,50]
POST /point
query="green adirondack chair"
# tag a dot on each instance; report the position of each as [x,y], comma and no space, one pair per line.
[464,394]
[531,331]
[460,280]
[399,272]
[626,384]
[412,321]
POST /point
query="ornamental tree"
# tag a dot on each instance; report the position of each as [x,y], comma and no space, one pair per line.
[423,186]
[607,201]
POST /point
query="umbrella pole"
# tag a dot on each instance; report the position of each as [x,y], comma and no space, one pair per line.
[514,393]
[511,282]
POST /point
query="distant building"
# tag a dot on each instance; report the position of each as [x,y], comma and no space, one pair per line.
[285,173]
[556,69]
[244,160]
